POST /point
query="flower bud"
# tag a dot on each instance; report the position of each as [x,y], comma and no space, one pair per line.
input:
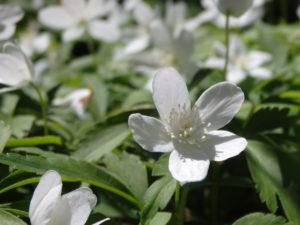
[235,7]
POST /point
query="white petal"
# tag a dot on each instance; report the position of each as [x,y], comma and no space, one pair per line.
[298,11]
[144,14]
[7,32]
[75,7]
[73,33]
[203,17]
[187,169]
[236,47]
[175,16]
[219,103]
[257,58]
[98,8]
[61,213]
[13,72]
[42,42]
[15,51]
[215,63]
[235,7]
[161,37]
[150,133]
[79,108]
[184,47]
[169,92]
[10,15]
[104,31]
[44,198]
[81,203]
[220,145]
[220,49]
[260,73]
[56,17]
[100,222]
[235,75]
[137,45]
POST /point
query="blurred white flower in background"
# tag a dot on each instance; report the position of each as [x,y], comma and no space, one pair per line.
[16,69]
[298,11]
[241,62]
[31,41]
[9,16]
[75,17]
[191,135]
[48,207]
[212,14]
[163,42]
[77,100]
[234,7]
[176,20]
[167,50]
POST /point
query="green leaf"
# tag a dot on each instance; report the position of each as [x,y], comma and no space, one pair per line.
[267,119]
[21,125]
[98,103]
[101,141]
[5,133]
[9,219]
[78,170]
[157,197]
[137,97]
[161,218]
[9,103]
[130,169]
[270,180]
[161,167]
[260,218]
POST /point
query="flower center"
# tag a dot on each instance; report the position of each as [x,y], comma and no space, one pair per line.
[185,125]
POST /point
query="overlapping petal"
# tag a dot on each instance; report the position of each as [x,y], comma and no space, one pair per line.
[81,202]
[187,169]
[169,91]
[103,30]
[44,197]
[145,129]
[219,103]
[57,17]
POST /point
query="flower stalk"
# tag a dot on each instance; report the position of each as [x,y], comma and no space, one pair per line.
[43,107]
[227,43]
[180,201]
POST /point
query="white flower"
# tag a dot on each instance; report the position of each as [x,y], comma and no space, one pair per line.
[168,50]
[211,13]
[31,41]
[191,135]
[9,16]
[48,207]
[235,7]
[16,70]
[241,62]
[77,100]
[298,11]
[74,17]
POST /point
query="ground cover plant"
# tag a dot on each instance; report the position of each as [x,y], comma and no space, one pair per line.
[136,112]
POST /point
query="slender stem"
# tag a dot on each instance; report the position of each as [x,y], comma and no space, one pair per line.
[43,107]
[177,196]
[33,141]
[215,194]
[227,43]
[181,205]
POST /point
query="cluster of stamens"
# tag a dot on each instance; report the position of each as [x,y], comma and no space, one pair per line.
[186,125]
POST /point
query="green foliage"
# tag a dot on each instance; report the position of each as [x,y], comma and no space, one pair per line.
[9,219]
[260,218]
[264,164]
